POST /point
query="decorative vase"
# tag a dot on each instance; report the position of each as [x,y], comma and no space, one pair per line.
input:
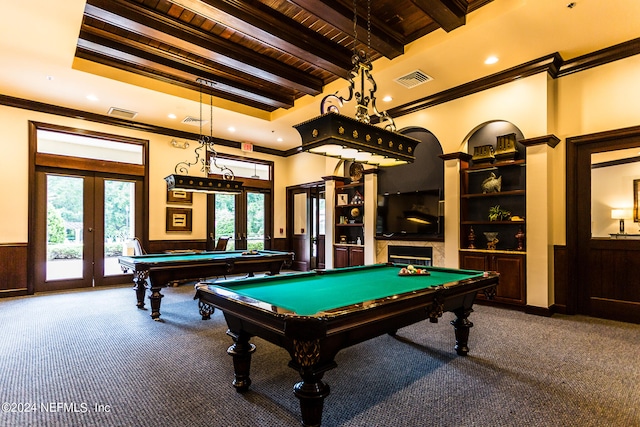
[492,239]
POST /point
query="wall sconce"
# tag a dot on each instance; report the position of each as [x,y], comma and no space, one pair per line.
[621,214]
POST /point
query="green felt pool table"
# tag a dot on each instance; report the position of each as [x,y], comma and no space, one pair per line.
[314,315]
[155,271]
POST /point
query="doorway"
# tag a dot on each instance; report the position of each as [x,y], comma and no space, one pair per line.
[306,225]
[87,198]
[604,260]
[85,220]
[244,218]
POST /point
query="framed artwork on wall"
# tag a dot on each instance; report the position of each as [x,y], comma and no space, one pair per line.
[182,197]
[178,219]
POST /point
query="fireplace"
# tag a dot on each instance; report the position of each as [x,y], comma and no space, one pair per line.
[410,255]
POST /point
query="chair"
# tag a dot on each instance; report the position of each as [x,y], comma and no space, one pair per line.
[221,245]
[137,247]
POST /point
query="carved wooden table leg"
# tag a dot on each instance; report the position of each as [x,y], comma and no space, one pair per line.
[206,310]
[140,281]
[241,352]
[155,298]
[311,391]
[461,327]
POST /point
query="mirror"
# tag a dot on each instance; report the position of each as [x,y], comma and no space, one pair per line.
[614,193]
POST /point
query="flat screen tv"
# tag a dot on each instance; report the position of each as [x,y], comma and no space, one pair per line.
[411,214]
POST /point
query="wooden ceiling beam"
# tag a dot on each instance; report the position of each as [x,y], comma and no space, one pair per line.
[449,14]
[132,63]
[167,62]
[275,30]
[145,23]
[384,39]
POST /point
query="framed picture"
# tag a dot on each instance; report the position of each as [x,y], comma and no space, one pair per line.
[177,196]
[343,199]
[178,219]
[636,188]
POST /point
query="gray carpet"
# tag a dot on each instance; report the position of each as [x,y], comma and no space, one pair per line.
[64,353]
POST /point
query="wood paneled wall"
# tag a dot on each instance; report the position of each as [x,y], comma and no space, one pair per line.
[13,269]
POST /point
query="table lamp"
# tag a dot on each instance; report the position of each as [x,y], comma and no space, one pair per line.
[621,214]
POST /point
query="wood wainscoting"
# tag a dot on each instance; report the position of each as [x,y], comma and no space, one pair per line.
[13,270]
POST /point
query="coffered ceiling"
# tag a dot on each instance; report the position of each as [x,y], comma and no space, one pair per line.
[272,61]
[260,53]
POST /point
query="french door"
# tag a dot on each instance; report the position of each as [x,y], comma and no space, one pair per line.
[245,218]
[83,220]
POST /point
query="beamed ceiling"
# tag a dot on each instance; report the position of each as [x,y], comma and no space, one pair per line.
[260,53]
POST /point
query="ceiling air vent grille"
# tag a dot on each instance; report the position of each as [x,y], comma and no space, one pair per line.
[189,120]
[122,113]
[413,79]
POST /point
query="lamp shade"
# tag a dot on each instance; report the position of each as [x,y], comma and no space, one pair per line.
[621,214]
[335,135]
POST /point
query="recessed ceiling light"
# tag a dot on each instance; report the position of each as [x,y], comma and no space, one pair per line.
[172,116]
[491,60]
[279,140]
[387,98]
[231,129]
[92,97]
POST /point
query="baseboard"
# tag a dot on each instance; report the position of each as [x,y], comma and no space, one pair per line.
[539,311]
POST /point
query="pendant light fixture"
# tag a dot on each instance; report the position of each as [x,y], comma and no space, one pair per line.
[333,134]
[181,181]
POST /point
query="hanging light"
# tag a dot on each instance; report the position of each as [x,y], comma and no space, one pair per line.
[335,135]
[183,182]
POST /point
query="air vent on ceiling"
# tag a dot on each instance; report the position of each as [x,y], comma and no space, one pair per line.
[122,113]
[413,79]
[189,120]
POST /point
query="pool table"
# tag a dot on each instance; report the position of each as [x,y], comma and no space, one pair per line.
[314,315]
[155,271]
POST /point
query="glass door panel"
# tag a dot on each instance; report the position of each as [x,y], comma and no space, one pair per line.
[119,221]
[65,238]
[255,221]
[225,218]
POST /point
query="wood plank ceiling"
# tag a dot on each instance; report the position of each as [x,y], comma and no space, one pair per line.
[261,53]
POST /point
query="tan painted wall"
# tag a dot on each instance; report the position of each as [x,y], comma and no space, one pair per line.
[600,99]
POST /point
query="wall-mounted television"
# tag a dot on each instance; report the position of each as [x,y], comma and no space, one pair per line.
[411,214]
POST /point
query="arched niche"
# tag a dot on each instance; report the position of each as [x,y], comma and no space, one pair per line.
[425,173]
[487,133]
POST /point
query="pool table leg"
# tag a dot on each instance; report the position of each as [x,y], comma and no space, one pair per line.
[155,298]
[140,286]
[241,352]
[461,327]
[311,391]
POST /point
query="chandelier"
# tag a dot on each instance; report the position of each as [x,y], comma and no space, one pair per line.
[335,135]
[181,181]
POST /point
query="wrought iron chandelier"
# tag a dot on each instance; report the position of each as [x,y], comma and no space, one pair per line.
[336,135]
[183,182]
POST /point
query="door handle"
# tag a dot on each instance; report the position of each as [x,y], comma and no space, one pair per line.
[90,229]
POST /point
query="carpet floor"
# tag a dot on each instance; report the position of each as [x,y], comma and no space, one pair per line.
[90,358]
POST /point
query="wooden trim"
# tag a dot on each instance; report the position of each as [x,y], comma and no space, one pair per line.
[459,155]
[600,57]
[13,269]
[539,311]
[553,64]
[78,163]
[550,140]
[41,107]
